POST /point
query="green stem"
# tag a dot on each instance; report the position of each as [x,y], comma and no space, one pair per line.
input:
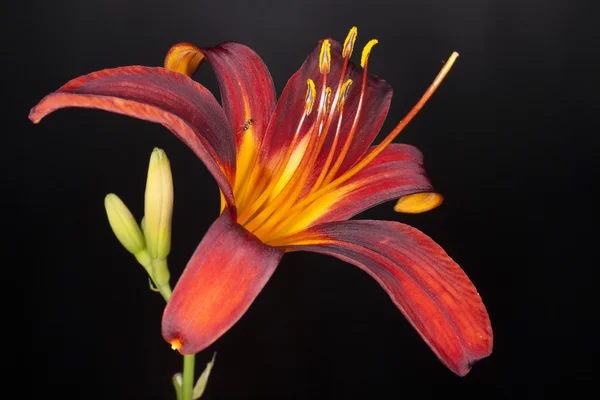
[188,376]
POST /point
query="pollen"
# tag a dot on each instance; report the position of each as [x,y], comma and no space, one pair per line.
[346,89]
[311,94]
[325,57]
[328,97]
[366,51]
[349,42]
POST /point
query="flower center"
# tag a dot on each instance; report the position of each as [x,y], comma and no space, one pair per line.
[279,202]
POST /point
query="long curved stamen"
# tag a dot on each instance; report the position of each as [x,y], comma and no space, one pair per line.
[283,165]
[379,148]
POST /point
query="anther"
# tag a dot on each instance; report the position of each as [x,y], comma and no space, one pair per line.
[345,90]
[327,97]
[366,51]
[311,94]
[325,57]
[349,42]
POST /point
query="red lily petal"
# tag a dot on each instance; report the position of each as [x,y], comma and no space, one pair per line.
[247,88]
[290,106]
[398,171]
[430,289]
[185,107]
[225,274]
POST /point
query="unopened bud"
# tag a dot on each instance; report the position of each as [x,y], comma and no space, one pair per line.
[126,228]
[158,206]
[200,385]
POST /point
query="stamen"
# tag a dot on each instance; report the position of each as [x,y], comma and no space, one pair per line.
[311,94]
[349,42]
[328,99]
[366,51]
[325,57]
[345,90]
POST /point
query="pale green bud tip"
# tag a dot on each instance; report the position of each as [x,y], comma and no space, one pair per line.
[203,379]
[178,384]
[123,224]
[158,205]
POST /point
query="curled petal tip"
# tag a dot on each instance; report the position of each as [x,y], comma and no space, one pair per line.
[418,202]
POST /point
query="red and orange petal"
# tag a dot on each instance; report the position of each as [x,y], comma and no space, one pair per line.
[247,90]
[430,289]
[225,274]
[185,107]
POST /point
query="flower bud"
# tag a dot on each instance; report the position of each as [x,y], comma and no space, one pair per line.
[126,228]
[158,206]
[200,385]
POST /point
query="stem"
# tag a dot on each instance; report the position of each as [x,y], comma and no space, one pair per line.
[188,376]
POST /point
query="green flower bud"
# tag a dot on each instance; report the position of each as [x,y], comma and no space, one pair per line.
[158,206]
[203,379]
[178,385]
[126,228]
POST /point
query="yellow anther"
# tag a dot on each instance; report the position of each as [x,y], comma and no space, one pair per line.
[346,89]
[327,97]
[311,94]
[349,42]
[325,57]
[366,51]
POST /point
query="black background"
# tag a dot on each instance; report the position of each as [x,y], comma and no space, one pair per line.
[508,139]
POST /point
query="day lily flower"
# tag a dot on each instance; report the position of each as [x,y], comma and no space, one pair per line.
[291,173]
